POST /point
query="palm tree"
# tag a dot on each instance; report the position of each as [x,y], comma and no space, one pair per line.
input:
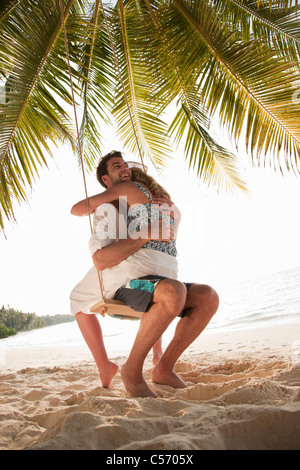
[135,63]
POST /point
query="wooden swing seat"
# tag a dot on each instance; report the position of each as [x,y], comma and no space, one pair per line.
[115,308]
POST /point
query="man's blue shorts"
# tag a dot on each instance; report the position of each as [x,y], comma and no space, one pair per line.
[138,293]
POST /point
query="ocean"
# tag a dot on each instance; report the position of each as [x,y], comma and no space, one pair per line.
[269,300]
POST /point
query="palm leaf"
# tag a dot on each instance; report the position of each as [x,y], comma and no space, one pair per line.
[97,78]
[36,79]
[212,162]
[6,6]
[276,23]
[246,82]
[142,131]
[238,59]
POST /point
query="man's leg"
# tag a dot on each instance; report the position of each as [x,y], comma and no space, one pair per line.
[92,333]
[168,300]
[201,303]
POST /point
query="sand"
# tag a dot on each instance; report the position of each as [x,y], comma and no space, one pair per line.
[243,392]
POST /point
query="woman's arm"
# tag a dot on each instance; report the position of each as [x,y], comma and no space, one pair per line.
[82,208]
[113,254]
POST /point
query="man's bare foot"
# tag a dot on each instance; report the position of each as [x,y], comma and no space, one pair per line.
[107,374]
[135,386]
[163,376]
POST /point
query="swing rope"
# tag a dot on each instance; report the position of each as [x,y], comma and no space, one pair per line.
[76,119]
[120,75]
[100,280]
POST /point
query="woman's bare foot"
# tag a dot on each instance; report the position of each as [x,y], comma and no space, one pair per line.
[135,386]
[157,351]
[156,356]
[163,376]
[107,374]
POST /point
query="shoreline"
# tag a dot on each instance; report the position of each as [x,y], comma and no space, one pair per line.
[280,339]
[243,393]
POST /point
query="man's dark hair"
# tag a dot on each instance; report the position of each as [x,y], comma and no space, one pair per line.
[102,168]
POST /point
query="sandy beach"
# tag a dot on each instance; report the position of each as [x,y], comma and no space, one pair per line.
[243,392]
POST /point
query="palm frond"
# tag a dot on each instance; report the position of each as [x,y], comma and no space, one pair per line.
[30,114]
[275,23]
[211,161]
[143,127]
[246,82]
[94,61]
[6,6]
[238,59]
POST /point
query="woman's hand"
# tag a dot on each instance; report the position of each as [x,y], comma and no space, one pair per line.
[159,230]
[162,200]
[168,208]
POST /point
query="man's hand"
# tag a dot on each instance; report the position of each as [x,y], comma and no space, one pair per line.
[113,254]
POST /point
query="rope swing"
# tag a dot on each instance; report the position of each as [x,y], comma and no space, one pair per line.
[111,307]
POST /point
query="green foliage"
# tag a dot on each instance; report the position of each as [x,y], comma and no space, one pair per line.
[12,321]
[4,331]
[237,60]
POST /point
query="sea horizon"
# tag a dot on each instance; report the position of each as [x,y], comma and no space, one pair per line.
[268,300]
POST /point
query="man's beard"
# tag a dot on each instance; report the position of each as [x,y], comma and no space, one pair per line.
[120,180]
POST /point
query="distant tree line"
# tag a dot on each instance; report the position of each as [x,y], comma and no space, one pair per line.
[12,321]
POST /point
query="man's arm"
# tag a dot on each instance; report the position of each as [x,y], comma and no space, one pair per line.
[113,254]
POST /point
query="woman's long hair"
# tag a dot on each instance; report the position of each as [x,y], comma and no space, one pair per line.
[156,189]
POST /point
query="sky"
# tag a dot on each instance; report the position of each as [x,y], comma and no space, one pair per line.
[222,238]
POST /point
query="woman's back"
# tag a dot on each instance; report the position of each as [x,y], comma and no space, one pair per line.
[142,215]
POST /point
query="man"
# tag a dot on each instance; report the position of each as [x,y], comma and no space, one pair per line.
[117,259]
[196,304]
